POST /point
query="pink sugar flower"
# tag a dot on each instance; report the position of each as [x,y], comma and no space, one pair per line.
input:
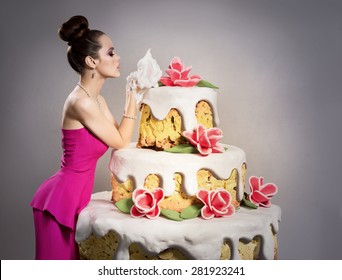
[205,140]
[261,193]
[178,75]
[217,203]
[146,203]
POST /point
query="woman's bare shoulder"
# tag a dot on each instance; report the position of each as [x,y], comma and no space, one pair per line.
[78,103]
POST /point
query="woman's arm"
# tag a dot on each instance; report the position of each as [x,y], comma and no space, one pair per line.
[107,112]
[114,135]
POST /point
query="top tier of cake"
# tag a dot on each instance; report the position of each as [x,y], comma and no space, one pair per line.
[166,112]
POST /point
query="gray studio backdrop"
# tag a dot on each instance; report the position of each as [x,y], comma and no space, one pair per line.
[278,65]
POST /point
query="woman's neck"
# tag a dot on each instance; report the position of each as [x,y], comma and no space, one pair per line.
[93,86]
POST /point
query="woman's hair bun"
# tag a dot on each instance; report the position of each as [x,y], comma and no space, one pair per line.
[73,29]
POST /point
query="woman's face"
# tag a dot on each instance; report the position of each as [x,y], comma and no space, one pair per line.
[108,64]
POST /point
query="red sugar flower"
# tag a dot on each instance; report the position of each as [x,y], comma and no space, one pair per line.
[178,75]
[261,193]
[146,203]
[217,203]
[205,140]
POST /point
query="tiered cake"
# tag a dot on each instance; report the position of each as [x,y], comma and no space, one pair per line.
[184,191]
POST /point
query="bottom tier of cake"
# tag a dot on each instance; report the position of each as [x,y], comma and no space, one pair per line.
[103,232]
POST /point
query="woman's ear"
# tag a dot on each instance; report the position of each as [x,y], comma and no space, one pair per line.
[91,63]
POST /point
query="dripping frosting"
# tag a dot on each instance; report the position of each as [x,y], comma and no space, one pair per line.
[139,163]
[198,238]
[162,99]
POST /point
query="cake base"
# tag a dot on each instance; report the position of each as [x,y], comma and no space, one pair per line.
[103,232]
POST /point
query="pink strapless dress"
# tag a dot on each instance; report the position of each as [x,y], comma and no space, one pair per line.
[68,191]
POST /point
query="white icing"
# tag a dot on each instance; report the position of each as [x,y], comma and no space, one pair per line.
[147,76]
[149,72]
[162,99]
[136,163]
[200,239]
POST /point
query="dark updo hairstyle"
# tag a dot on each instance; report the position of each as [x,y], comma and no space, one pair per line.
[83,42]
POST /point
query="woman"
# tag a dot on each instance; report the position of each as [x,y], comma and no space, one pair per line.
[88,129]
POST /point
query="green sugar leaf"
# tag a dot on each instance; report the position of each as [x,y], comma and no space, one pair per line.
[182,149]
[248,203]
[204,83]
[171,214]
[125,205]
[201,83]
[191,212]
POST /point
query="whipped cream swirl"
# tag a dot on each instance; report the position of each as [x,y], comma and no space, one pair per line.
[146,77]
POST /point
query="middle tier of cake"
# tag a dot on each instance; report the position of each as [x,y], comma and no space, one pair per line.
[179,175]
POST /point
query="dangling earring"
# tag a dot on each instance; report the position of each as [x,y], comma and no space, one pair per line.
[93,73]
